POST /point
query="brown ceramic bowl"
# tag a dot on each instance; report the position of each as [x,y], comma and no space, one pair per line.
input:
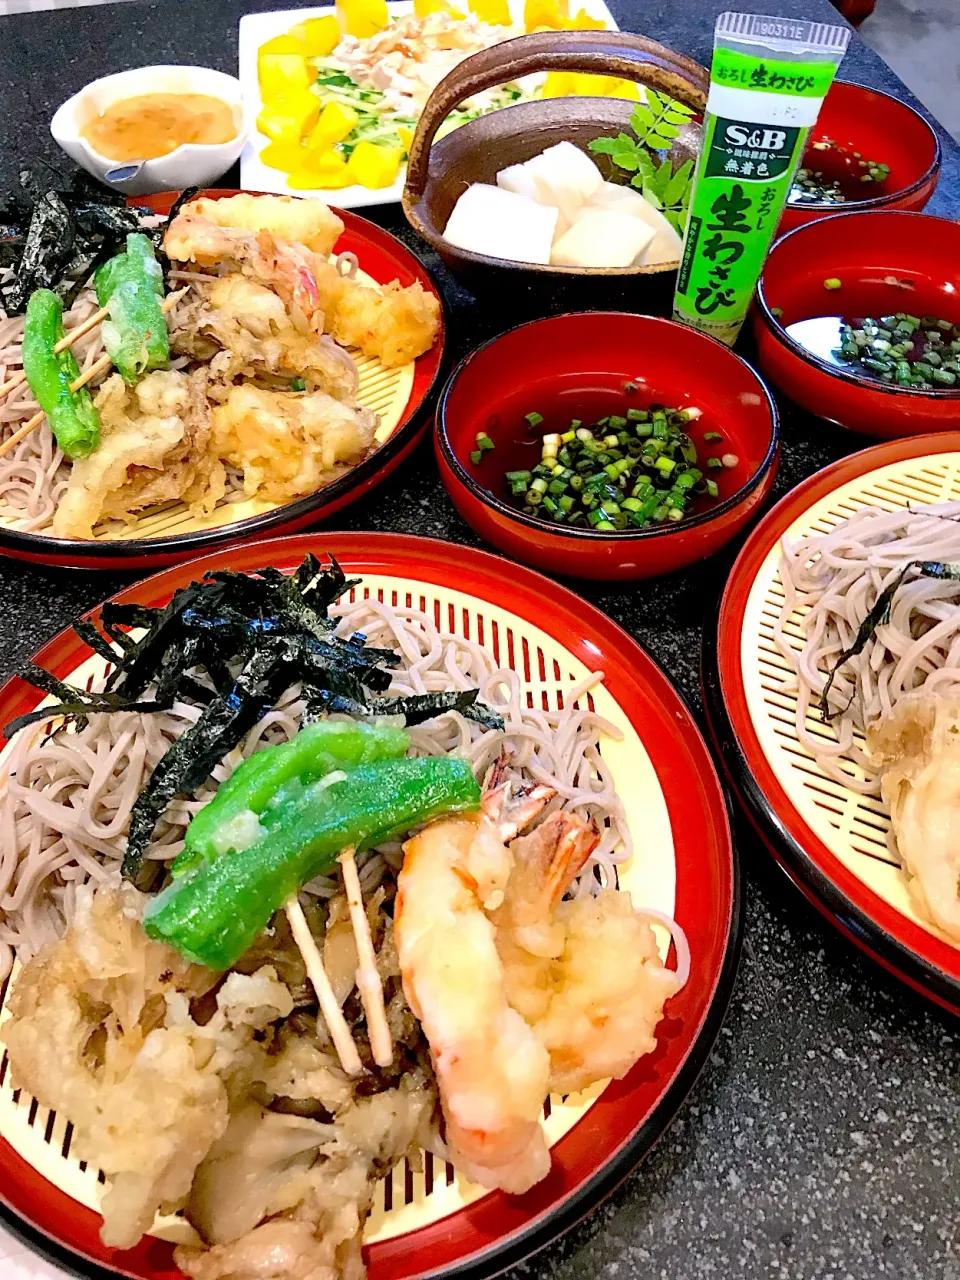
[439,172]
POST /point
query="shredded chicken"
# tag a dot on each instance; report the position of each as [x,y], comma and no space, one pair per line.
[156,447]
[287,445]
[409,58]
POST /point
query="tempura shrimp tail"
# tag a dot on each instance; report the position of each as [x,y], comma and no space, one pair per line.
[546,863]
[286,268]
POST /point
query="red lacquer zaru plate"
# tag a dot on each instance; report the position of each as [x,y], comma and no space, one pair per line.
[685,860]
[831,842]
[403,398]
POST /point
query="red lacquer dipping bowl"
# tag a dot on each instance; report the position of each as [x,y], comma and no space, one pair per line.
[885,263]
[580,366]
[881,129]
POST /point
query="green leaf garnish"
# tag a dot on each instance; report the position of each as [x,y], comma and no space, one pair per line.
[677,189]
[657,124]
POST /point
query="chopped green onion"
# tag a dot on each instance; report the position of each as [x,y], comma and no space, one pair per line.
[628,470]
[475,456]
[484,442]
[533,420]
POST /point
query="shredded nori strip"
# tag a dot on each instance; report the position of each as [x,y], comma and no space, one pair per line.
[55,232]
[877,617]
[416,708]
[189,193]
[231,645]
[938,569]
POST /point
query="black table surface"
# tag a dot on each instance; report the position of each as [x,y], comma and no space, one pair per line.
[821,1140]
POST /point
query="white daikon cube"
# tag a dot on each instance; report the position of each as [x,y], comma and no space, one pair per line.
[666,244]
[602,238]
[501,224]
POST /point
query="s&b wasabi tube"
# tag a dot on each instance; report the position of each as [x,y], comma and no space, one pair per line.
[768,81]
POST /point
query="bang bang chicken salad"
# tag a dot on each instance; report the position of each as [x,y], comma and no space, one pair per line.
[341,93]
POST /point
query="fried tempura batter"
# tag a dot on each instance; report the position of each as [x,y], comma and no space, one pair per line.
[395,324]
[101,1032]
[155,448]
[181,1109]
[298,221]
[288,445]
[249,321]
[263,237]
[917,748]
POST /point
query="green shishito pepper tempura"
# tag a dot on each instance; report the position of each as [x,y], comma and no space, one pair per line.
[213,912]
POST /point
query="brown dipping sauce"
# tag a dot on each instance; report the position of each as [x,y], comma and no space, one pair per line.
[155,124]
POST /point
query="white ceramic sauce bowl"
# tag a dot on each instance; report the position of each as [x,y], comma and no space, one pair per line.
[189,165]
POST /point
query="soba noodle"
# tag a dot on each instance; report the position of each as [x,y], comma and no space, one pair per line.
[831,581]
[67,799]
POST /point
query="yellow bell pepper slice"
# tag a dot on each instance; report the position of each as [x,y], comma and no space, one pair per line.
[320,35]
[545,13]
[582,21]
[362,18]
[373,166]
[496,13]
[326,169]
[285,156]
[606,87]
[559,84]
[628,89]
[334,124]
[423,9]
[290,43]
[579,84]
[287,119]
[282,74]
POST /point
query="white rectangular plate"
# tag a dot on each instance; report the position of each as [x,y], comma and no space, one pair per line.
[256,29]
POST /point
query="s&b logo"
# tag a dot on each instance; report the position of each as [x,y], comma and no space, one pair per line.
[755,152]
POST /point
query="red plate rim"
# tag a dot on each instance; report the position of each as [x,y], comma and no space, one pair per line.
[924,961]
[385,258]
[623,1124]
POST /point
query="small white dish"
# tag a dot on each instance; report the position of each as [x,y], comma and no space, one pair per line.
[189,165]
